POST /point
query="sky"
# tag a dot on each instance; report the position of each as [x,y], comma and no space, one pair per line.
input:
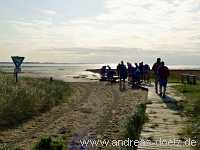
[100,31]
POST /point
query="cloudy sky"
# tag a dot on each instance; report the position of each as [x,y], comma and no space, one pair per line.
[100,30]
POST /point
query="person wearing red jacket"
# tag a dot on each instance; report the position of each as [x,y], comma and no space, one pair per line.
[163,75]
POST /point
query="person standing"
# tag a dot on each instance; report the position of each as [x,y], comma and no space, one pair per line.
[141,67]
[130,68]
[136,76]
[122,75]
[147,71]
[118,68]
[155,70]
[109,74]
[103,73]
[163,74]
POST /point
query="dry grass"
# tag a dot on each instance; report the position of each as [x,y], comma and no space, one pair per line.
[192,109]
[27,98]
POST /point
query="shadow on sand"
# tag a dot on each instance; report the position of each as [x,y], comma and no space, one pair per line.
[172,103]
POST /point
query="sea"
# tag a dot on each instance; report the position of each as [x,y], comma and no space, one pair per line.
[69,71]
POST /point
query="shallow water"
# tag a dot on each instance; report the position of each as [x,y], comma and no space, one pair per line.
[68,72]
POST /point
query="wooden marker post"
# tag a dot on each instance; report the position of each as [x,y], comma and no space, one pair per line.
[17,61]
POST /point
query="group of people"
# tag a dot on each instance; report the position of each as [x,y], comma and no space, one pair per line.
[107,73]
[137,74]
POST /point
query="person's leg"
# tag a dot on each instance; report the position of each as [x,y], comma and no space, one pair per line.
[145,78]
[120,84]
[160,87]
[156,84]
[164,88]
[111,80]
[148,79]
[124,84]
[138,81]
[164,91]
[130,78]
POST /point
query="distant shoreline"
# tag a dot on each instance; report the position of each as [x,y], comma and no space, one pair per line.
[80,72]
[94,65]
[173,70]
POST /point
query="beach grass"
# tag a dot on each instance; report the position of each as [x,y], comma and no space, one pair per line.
[27,98]
[135,123]
[192,109]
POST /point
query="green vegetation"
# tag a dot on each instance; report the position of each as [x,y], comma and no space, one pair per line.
[50,143]
[192,110]
[27,98]
[173,78]
[175,75]
[134,123]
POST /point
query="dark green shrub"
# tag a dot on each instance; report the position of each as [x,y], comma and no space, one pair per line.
[49,144]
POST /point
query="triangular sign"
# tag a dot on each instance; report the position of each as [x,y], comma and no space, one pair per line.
[17,61]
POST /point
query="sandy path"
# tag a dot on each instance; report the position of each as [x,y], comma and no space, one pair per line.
[94,111]
[165,122]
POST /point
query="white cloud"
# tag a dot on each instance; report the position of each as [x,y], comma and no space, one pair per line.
[164,25]
[48,12]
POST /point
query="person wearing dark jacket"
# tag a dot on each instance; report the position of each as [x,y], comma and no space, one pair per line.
[118,68]
[141,67]
[129,71]
[163,75]
[155,70]
[122,74]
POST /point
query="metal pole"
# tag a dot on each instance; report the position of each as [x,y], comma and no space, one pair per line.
[16,76]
